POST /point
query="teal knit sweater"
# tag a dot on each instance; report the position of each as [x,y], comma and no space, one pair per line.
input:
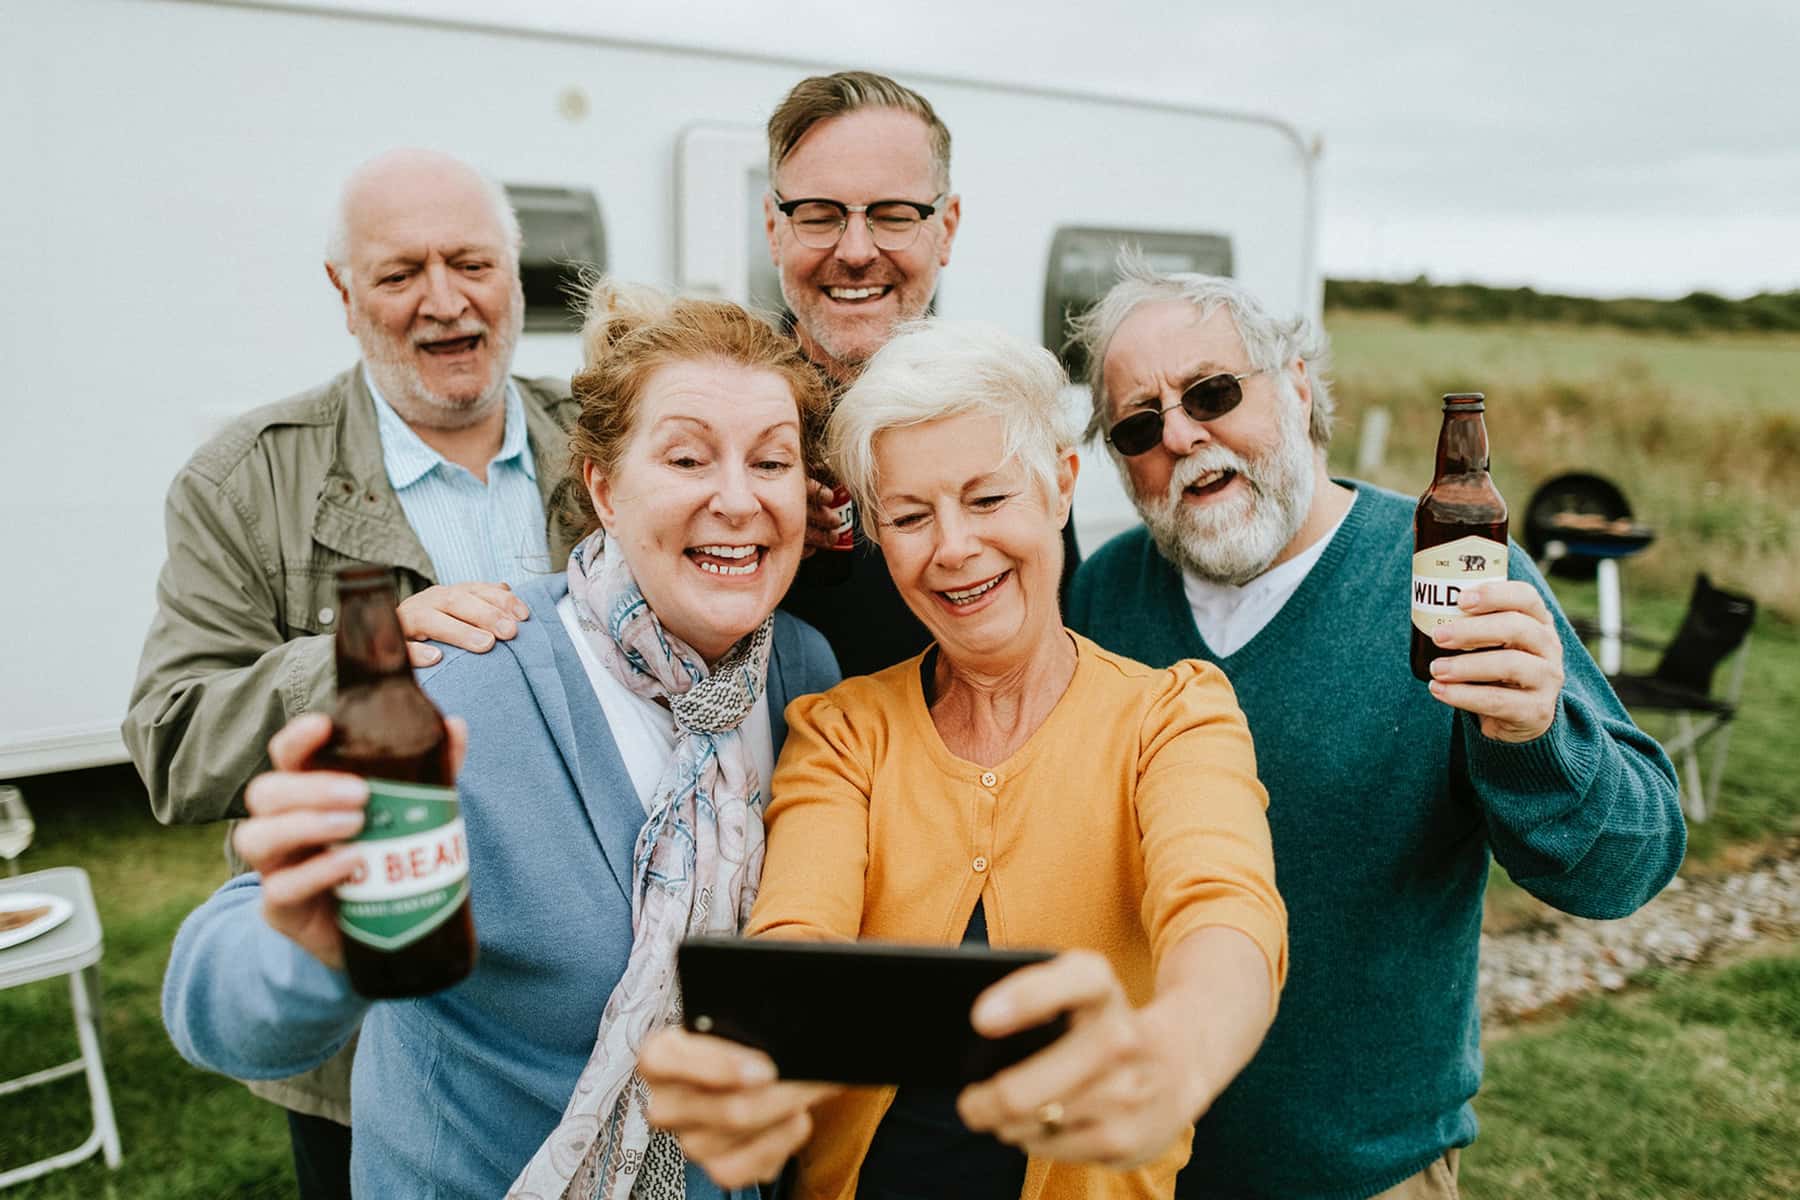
[1385,805]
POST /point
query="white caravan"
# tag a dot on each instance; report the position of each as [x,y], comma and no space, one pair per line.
[170,167]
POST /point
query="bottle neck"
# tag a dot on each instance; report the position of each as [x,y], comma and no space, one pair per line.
[370,646]
[1462,443]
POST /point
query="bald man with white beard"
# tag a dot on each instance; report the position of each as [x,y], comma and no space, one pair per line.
[426,456]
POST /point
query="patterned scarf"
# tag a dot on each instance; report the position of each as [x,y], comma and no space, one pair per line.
[696,865]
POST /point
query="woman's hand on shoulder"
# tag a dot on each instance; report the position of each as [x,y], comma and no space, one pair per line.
[725,1104]
[1108,1091]
[294,834]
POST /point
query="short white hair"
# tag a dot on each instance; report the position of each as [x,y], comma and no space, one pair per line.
[337,237]
[1272,343]
[932,369]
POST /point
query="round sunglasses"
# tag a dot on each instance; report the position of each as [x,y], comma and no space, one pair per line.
[1204,400]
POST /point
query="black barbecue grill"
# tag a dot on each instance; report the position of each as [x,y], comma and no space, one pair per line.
[1575,522]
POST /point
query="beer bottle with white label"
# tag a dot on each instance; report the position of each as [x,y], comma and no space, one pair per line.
[405,914]
[1459,527]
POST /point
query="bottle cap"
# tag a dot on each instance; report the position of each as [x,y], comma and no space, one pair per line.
[1465,401]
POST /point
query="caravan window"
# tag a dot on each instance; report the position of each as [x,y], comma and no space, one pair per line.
[1081,270]
[563,236]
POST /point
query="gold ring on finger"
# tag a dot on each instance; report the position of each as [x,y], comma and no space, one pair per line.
[1050,1118]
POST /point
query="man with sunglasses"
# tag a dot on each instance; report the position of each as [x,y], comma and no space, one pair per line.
[1386,796]
[860,218]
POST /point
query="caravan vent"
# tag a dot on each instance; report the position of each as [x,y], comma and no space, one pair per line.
[563,236]
[1081,270]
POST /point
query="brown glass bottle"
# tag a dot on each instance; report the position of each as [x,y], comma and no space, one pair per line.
[1459,527]
[405,917]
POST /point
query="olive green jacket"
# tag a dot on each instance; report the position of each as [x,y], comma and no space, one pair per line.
[258,523]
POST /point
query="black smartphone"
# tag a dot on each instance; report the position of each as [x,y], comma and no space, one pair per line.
[859,1013]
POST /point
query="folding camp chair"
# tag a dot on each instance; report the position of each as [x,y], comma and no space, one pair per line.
[72,949]
[1717,623]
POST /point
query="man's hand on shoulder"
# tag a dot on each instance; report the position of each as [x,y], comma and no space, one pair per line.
[1513,674]
[822,520]
[469,616]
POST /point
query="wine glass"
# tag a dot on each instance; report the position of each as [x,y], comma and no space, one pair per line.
[16,827]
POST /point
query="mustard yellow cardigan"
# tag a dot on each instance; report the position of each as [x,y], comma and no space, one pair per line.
[1132,818]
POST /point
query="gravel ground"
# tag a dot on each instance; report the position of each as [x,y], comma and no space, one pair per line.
[1562,957]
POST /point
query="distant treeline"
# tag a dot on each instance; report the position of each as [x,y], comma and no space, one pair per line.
[1699,312]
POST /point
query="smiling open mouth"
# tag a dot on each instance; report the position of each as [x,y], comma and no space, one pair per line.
[858,295]
[731,561]
[969,595]
[1208,484]
[461,345]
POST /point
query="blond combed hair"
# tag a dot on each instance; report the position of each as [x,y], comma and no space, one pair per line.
[822,97]
[631,331]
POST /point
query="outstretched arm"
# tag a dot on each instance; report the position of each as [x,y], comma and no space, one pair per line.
[1582,806]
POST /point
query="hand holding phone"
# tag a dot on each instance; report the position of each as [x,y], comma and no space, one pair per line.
[1126,1081]
[723,1101]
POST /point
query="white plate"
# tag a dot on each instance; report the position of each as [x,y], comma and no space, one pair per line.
[59,912]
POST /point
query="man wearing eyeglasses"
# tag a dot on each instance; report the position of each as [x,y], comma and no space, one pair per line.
[1386,796]
[860,215]
[860,218]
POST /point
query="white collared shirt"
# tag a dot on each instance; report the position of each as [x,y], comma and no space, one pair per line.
[1228,616]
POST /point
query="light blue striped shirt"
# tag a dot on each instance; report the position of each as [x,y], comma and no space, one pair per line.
[474,532]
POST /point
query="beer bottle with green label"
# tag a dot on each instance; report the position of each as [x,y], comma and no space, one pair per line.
[1459,527]
[405,913]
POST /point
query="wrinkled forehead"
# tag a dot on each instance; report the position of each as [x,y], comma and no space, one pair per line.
[1167,344]
[717,395]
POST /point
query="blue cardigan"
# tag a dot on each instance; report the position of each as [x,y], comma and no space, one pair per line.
[452,1093]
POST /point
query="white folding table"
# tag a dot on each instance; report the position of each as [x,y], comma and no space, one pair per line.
[73,949]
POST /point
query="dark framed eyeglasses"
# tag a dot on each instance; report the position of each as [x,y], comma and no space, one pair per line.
[1204,400]
[893,224]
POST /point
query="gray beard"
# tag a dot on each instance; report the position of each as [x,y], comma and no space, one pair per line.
[1234,543]
[392,369]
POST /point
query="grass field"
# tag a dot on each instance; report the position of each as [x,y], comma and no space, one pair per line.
[1689,1088]
[1701,434]
[1754,372]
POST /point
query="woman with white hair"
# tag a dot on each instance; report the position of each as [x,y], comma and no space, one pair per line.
[1015,785]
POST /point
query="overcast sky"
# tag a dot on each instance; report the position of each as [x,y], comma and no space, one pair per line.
[1602,148]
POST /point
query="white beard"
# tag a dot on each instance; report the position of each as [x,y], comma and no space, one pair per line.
[397,376]
[1235,541]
